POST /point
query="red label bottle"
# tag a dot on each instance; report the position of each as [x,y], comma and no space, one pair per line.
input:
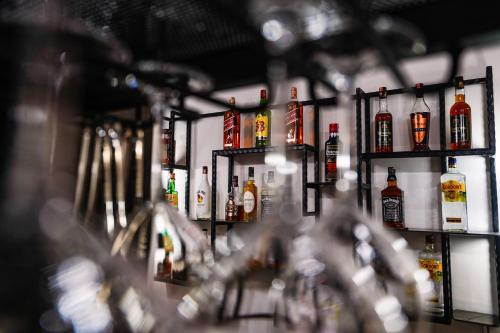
[231,127]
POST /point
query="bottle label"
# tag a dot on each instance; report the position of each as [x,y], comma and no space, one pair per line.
[331,152]
[261,127]
[460,128]
[392,209]
[267,204]
[453,220]
[248,202]
[229,125]
[231,211]
[419,127]
[434,267]
[291,123]
[453,191]
[201,202]
[172,200]
[383,133]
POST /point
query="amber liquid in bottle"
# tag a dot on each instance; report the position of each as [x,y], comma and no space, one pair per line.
[393,203]
[460,119]
[420,120]
[250,198]
[294,120]
[383,125]
[232,127]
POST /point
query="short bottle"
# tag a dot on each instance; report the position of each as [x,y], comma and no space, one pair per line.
[393,202]
[460,118]
[267,195]
[453,198]
[420,120]
[431,260]
[250,198]
[294,120]
[203,197]
[263,122]
[232,121]
[331,153]
[383,124]
[171,193]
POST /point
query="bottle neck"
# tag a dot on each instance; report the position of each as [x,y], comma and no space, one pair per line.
[382,104]
[171,185]
[459,95]
[452,169]
[204,177]
[392,182]
[429,247]
[333,134]
[263,102]
[420,105]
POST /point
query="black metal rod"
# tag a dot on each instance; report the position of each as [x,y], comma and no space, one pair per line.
[239,297]
[359,147]
[213,206]
[304,182]
[447,290]
[188,166]
[316,108]
[368,163]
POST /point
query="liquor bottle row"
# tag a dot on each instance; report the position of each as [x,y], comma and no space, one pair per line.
[453,200]
[420,117]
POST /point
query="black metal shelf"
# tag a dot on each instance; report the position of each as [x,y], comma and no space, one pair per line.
[260,150]
[321,184]
[482,234]
[173,166]
[428,153]
[476,317]
[173,281]
[227,223]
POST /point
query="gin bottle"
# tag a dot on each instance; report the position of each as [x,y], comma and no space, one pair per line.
[431,260]
[453,198]
[268,195]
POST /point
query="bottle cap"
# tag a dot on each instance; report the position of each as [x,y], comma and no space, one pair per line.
[419,91]
[429,239]
[391,172]
[334,127]
[235,180]
[232,100]
[382,92]
[172,174]
[263,94]
[250,172]
[205,170]
[293,92]
[459,82]
[452,162]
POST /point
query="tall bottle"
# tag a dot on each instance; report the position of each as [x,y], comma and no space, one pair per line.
[393,202]
[453,198]
[460,118]
[232,127]
[250,197]
[431,260]
[331,153]
[420,120]
[383,124]
[267,195]
[171,193]
[295,120]
[234,203]
[203,194]
[263,122]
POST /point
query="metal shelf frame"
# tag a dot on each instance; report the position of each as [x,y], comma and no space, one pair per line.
[364,166]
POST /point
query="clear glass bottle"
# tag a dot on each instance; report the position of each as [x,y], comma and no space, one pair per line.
[267,195]
[263,122]
[420,120]
[431,260]
[250,197]
[203,194]
[460,118]
[383,124]
[331,153]
[453,198]
[393,202]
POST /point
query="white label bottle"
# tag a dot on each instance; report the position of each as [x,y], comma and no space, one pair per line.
[453,198]
[203,194]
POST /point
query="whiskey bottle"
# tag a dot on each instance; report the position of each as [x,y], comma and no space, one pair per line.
[431,260]
[250,198]
[383,124]
[232,127]
[234,204]
[453,198]
[331,152]
[393,202]
[267,195]
[203,197]
[294,120]
[171,193]
[420,118]
[263,122]
[460,118]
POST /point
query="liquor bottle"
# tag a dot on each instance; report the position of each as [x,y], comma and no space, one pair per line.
[167,147]
[460,118]
[267,195]
[383,124]
[453,198]
[294,120]
[250,198]
[234,203]
[203,197]
[232,127]
[393,202]
[171,193]
[331,152]
[431,260]
[420,119]
[263,122]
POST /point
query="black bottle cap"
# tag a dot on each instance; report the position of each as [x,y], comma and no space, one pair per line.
[250,172]
[391,173]
[419,88]
[205,170]
[429,239]
[235,180]
[382,92]
[459,82]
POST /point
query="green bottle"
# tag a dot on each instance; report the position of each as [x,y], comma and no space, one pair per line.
[263,122]
[171,194]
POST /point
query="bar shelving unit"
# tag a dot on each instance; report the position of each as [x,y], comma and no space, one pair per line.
[364,167]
